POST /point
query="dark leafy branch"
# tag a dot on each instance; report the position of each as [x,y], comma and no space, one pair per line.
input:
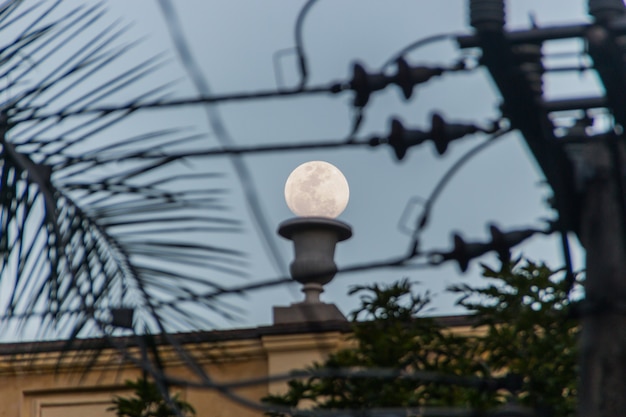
[521,350]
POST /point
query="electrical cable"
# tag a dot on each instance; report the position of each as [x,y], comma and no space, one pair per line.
[570,277]
[357,122]
[241,168]
[226,388]
[30,113]
[244,150]
[396,262]
[298,36]
[416,45]
[439,187]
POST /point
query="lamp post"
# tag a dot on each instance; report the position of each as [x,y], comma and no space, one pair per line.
[316,192]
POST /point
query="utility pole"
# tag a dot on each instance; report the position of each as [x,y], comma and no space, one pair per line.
[589,190]
[603,232]
[602,390]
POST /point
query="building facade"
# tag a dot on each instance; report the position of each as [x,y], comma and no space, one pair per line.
[52,379]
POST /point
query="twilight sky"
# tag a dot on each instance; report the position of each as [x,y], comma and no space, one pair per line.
[234,43]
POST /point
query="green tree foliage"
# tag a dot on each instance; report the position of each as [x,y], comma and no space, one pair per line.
[530,331]
[147,401]
[524,329]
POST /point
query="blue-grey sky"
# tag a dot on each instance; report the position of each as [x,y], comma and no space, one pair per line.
[234,43]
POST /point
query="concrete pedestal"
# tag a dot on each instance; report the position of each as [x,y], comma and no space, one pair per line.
[307,313]
[314,240]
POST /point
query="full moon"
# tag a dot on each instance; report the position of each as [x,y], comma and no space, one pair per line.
[317,189]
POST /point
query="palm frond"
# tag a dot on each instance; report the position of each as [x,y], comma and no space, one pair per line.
[91,221]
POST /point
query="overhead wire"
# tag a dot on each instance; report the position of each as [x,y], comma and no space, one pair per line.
[484,383]
[235,290]
[416,45]
[428,204]
[260,149]
[31,113]
[226,387]
[570,277]
[243,173]
[479,383]
[299,40]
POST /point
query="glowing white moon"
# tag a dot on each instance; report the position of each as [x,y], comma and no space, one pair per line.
[317,189]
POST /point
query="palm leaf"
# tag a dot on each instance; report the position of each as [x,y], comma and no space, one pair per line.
[88,223]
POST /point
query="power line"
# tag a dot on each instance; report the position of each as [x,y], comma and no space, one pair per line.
[424,217]
[299,39]
[241,168]
[31,113]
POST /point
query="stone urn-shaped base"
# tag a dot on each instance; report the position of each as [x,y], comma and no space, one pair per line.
[313,266]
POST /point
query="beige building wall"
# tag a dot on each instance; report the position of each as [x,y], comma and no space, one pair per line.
[35,383]
[38,380]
